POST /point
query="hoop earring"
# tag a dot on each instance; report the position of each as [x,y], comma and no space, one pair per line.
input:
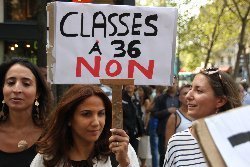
[2,113]
[37,112]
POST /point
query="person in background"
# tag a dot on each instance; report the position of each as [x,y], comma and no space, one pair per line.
[132,115]
[144,150]
[79,133]
[212,92]
[153,123]
[245,96]
[25,106]
[165,105]
[179,120]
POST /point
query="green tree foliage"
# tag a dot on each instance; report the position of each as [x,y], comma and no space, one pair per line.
[241,10]
[214,30]
[199,35]
[219,25]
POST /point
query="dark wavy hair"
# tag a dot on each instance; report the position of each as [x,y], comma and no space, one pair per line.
[44,98]
[57,139]
[147,92]
[223,85]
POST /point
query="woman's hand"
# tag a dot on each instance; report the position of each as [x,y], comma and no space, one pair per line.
[119,142]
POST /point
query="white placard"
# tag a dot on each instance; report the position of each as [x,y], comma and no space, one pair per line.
[100,41]
[231,134]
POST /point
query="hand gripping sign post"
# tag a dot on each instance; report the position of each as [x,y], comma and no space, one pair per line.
[90,43]
[225,138]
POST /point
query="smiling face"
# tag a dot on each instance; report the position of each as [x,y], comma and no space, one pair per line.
[19,90]
[201,99]
[88,120]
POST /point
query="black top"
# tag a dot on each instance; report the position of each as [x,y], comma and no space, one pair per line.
[18,159]
[131,109]
[82,163]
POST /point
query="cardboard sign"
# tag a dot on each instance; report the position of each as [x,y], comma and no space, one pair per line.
[89,42]
[225,137]
[205,140]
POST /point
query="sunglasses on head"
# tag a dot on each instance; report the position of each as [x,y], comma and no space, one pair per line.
[212,71]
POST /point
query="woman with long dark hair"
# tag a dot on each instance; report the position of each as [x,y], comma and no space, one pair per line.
[79,133]
[25,107]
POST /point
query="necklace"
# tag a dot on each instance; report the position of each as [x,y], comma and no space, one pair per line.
[22,144]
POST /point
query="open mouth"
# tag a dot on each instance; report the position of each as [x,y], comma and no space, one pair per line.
[191,105]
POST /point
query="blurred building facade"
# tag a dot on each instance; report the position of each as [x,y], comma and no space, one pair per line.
[226,58]
[18,29]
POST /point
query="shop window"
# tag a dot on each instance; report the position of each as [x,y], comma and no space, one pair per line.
[20,10]
[26,49]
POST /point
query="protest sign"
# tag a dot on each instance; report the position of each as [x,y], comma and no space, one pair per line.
[89,42]
[225,138]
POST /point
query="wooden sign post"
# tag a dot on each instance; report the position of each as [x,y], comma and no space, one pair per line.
[116,85]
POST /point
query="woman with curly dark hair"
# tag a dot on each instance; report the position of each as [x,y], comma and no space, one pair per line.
[79,133]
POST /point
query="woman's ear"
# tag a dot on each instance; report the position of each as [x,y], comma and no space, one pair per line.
[221,101]
[37,95]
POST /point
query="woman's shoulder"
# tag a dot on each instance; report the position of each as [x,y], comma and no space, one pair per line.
[181,140]
[183,133]
[182,136]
